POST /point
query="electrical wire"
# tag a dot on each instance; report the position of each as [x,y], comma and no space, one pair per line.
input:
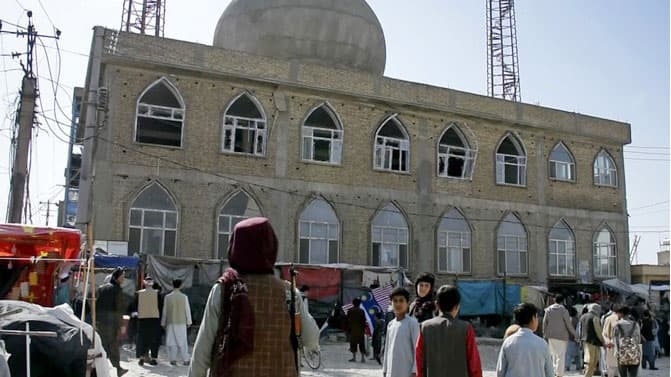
[649,205]
[263,187]
[13,24]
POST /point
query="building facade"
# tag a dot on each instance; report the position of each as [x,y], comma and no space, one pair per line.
[350,166]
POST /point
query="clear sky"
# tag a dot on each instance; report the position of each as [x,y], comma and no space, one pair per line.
[601,57]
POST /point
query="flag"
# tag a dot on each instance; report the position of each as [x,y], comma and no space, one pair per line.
[381,295]
[370,307]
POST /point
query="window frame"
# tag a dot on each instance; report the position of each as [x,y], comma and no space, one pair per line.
[462,236]
[469,157]
[310,237]
[505,251]
[396,245]
[566,254]
[173,110]
[332,141]
[520,163]
[553,165]
[597,172]
[230,217]
[308,133]
[263,132]
[164,228]
[403,147]
[596,258]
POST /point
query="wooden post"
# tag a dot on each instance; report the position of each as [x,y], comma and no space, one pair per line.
[90,270]
[92,277]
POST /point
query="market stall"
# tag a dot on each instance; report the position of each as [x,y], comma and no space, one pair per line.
[31,257]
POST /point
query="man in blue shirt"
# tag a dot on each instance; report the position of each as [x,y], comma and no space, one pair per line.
[525,354]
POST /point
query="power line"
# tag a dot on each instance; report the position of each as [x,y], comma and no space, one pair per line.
[649,153]
[649,205]
[311,196]
[13,24]
[69,51]
[644,147]
[647,159]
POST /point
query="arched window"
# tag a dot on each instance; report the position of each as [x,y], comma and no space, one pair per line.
[561,255]
[240,206]
[153,222]
[562,164]
[160,115]
[244,127]
[390,238]
[511,162]
[605,253]
[322,136]
[455,156]
[392,147]
[605,170]
[512,246]
[454,244]
[319,234]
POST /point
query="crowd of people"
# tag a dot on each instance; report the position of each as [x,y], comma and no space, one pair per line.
[153,317]
[252,320]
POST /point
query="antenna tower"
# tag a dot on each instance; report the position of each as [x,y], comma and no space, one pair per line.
[144,17]
[503,77]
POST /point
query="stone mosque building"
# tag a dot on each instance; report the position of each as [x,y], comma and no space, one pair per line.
[288,115]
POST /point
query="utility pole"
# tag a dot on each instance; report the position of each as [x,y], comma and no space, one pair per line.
[21,141]
[49,203]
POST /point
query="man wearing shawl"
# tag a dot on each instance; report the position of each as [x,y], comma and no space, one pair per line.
[424,306]
[246,328]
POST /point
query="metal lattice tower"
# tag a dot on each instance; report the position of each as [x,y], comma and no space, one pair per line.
[144,17]
[503,76]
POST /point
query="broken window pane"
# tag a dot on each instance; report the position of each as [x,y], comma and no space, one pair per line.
[392,147]
[160,94]
[321,133]
[159,116]
[321,117]
[244,128]
[244,107]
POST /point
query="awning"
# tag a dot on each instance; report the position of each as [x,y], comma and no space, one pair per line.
[26,241]
[641,290]
[114,261]
[618,285]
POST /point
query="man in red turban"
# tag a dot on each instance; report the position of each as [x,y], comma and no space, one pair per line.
[246,328]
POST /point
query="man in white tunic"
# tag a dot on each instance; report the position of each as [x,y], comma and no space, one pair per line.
[176,318]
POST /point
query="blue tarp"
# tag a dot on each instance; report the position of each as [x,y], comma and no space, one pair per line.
[486,297]
[114,261]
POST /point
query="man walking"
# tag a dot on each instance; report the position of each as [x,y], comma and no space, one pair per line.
[149,323]
[446,345]
[558,329]
[610,366]
[356,324]
[524,353]
[590,324]
[110,305]
[176,319]
[627,338]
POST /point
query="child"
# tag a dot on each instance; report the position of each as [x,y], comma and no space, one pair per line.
[447,343]
[402,335]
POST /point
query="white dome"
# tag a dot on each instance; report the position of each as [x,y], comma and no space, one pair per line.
[337,33]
